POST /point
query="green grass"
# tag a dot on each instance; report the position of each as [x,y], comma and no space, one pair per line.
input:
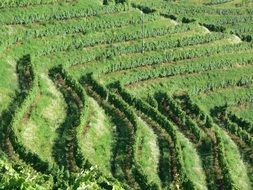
[193,163]
[235,163]
[38,133]
[244,111]
[109,44]
[8,81]
[96,137]
[147,151]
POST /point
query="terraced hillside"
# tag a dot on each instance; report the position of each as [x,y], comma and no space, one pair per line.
[126,94]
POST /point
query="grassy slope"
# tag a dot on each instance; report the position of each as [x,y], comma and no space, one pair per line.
[147,150]
[96,137]
[244,111]
[8,81]
[39,133]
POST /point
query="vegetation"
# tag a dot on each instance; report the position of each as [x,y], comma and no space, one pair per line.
[126,94]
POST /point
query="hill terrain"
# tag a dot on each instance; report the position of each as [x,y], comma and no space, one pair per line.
[126,94]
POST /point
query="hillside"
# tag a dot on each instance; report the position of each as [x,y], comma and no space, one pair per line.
[126,94]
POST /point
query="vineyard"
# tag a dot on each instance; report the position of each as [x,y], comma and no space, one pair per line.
[126,94]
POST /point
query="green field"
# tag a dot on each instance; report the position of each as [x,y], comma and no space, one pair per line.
[126,94]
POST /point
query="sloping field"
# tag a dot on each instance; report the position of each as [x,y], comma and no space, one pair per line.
[126,94]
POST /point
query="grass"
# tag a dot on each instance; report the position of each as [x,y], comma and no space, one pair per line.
[8,83]
[193,163]
[39,133]
[96,137]
[235,163]
[244,111]
[147,151]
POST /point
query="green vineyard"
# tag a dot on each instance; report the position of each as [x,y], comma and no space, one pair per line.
[126,94]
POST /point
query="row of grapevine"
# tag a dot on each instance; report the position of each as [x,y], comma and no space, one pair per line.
[222,116]
[95,53]
[168,106]
[217,2]
[218,151]
[187,67]
[128,33]
[124,116]
[194,111]
[224,158]
[49,13]
[29,90]
[95,23]
[230,95]
[199,83]
[190,9]
[74,94]
[25,3]
[153,58]
[216,19]
[164,123]
[242,122]
[18,175]
[226,173]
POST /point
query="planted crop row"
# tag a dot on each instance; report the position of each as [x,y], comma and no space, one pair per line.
[186,67]
[217,2]
[229,183]
[49,13]
[219,162]
[241,122]
[25,3]
[67,150]
[214,19]
[223,119]
[194,111]
[164,123]
[200,83]
[231,95]
[28,91]
[17,175]
[166,168]
[126,123]
[76,26]
[129,33]
[181,9]
[98,53]
[209,146]
[170,108]
[153,58]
